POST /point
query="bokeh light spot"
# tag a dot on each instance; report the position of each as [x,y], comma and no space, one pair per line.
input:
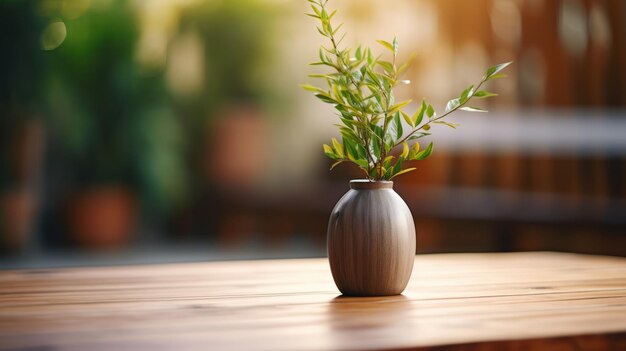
[573,27]
[53,35]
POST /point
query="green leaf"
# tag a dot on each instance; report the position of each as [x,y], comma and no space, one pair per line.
[386,44]
[398,106]
[350,149]
[384,173]
[373,77]
[351,156]
[348,122]
[370,57]
[473,109]
[326,25]
[425,153]
[495,70]
[316,10]
[337,93]
[376,148]
[312,88]
[451,125]
[407,118]
[418,135]
[398,125]
[326,98]
[328,151]
[325,76]
[398,167]
[387,161]
[419,114]
[466,94]
[452,104]
[387,66]
[405,150]
[484,94]
[390,144]
[497,76]
[357,54]
[406,65]
[430,111]
[321,31]
[362,163]
[360,150]
[395,46]
[403,171]
[377,119]
[338,148]
[377,131]
[414,150]
[338,27]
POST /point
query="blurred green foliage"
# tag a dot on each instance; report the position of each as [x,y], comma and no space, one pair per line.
[109,122]
[237,38]
[21,62]
[92,91]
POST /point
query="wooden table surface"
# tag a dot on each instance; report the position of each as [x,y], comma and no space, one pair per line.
[513,301]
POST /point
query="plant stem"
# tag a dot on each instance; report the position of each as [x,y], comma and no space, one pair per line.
[341,67]
[440,117]
[383,151]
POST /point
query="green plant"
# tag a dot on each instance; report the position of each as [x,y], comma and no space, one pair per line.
[372,123]
[111,124]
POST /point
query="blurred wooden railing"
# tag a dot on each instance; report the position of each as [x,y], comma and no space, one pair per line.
[503,182]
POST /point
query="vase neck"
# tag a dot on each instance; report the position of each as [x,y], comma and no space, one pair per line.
[369,184]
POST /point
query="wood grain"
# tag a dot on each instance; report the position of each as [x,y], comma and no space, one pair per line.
[371,240]
[518,301]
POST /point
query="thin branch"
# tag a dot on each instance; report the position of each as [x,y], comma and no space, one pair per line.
[440,117]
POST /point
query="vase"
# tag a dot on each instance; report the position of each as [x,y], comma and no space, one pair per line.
[371,240]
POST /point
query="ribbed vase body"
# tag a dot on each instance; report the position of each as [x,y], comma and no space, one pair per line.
[371,240]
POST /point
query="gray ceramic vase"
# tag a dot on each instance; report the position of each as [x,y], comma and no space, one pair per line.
[371,240]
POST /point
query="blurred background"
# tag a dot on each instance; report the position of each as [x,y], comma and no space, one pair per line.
[174,130]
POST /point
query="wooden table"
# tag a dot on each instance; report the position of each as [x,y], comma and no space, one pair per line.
[516,301]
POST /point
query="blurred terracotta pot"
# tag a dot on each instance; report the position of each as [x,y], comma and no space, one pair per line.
[236,156]
[371,240]
[102,217]
[17,217]
[19,203]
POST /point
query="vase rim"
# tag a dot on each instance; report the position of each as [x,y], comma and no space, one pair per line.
[370,184]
